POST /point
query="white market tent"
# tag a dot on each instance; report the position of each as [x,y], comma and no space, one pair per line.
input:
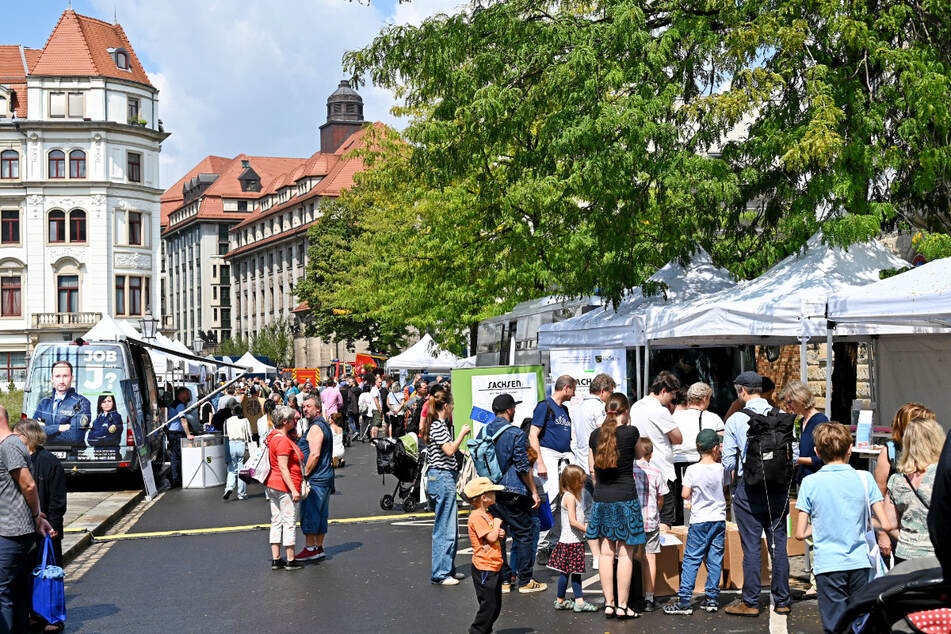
[907,368]
[256,367]
[106,329]
[770,308]
[425,354]
[625,327]
[466,362]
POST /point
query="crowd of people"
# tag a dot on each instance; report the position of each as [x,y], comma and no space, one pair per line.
[618,476]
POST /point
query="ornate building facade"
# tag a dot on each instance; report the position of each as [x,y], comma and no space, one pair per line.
[79,187]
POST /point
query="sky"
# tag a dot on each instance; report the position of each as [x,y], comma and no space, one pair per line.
[236,76]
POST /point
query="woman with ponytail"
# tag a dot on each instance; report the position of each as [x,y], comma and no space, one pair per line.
[615,520]
[436,432]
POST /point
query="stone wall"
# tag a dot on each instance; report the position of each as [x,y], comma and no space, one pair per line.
[786,368]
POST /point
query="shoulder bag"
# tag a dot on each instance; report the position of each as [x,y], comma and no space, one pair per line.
[915,491]
[876,563]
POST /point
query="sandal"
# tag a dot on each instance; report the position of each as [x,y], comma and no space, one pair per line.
[623,613]
[584,606]
[563,604]
[612,614]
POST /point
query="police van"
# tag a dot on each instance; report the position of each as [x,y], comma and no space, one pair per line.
[98,403]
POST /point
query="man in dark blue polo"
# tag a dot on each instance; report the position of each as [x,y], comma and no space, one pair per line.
[518,501]
[65,414]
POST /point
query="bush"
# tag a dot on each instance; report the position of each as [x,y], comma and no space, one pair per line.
[13,401]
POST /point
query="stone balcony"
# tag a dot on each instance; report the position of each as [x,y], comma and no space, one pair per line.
[64,321]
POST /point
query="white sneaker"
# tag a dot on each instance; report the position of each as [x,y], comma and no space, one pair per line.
[449,581]
[595,562]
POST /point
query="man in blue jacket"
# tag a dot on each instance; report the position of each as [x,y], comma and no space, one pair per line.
[65,414]
[516,503]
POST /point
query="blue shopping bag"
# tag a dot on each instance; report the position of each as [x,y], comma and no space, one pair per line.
[49,593]
[545,518]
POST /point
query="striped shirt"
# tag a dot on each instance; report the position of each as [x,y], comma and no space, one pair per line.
[650,484]
[439,435]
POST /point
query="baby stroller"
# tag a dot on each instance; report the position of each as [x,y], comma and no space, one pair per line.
[400,457]
[898,602]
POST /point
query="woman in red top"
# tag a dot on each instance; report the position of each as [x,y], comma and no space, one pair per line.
[282,487]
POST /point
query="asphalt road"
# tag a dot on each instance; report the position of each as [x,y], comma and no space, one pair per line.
[375,578]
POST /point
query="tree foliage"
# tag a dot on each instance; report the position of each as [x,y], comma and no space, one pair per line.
[574,147]
[233,347]
[275,341]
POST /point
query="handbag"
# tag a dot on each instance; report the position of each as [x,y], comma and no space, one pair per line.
[467,473]
[49,592]
[304,484]
[876,563]
[258,465]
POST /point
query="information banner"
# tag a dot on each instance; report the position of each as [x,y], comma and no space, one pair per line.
[134,397]
[477,387]
[584,365]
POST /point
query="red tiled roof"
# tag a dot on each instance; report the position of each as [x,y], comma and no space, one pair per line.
[303,307]
[173,196]
[79,47]
[13,74]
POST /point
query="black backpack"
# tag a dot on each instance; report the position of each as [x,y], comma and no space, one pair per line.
[769,450]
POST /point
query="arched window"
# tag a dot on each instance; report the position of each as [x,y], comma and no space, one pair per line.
[57,226]
[9,164]
[77,164]
[77,225]
[122,59]
[57,164]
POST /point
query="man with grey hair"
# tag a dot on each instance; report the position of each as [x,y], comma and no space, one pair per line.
[20,522]
[316,445]
[550,437]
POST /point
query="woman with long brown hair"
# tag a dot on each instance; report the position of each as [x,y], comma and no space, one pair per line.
[887,463]
[441,448]
[615,519]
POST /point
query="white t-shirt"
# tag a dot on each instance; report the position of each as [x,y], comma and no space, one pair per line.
[365,402]
[707,503]
[691,421]
[589,417]
[653,420]
[375,396]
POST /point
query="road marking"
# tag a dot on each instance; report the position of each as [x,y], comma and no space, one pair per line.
[404,520]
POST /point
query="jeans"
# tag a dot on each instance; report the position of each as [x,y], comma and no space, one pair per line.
[488,588]
[441,487]
[536,529]
[516,512]
[834,590]
[235,458]
[753,517]
[352,423]
[704,540]
[14,597]
[175,455]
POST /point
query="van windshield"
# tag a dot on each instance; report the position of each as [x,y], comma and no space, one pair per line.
[77,393]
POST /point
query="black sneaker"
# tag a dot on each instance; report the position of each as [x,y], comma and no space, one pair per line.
[293,565]
[650,606]
[226,495]
[277,564]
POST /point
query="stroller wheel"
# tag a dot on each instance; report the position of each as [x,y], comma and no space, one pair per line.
[386,502]
[409,505]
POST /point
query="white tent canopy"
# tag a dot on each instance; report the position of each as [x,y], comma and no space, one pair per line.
[921,296]
[424,355]
[624,328]
[770,307]
[256,367]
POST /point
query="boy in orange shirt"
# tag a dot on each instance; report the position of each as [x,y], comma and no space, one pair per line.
[485,532]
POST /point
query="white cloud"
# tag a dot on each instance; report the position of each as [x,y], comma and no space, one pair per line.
[252,76]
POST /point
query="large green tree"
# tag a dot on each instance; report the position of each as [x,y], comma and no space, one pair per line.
[573,147]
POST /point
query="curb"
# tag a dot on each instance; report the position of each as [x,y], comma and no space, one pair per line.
[76,542]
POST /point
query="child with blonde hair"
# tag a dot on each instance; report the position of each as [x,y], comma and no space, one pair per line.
[567,557]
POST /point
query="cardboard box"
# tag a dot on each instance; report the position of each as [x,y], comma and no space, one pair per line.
[667,581]
[733,559]
[794,547]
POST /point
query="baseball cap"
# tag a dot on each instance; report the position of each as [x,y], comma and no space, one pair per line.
[478,486]
[707,439]
[503,402]
[749,379]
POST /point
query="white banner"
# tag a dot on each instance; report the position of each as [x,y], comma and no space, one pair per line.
[522,386]
[584,365]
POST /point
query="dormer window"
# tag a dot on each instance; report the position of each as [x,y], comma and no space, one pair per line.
[122,58]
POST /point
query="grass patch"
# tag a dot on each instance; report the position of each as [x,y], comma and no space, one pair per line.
[13,401]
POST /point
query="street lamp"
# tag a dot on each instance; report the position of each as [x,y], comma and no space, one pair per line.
[149,326]
[198,345]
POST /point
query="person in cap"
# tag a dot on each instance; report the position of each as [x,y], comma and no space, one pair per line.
[485,536]
[518,499]
[703,486]
[756,512]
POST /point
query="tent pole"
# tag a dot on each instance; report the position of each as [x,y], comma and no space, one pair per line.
[803,360]
[830,326]
[637,363]
[647,367]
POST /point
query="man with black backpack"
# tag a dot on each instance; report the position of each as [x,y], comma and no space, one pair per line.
[759,449]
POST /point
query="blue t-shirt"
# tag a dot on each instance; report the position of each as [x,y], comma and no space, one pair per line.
[556,435]
[173,413]
[807,447]
[835,499]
